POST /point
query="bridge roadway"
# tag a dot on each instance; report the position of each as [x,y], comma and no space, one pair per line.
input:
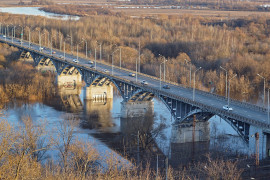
[251,114]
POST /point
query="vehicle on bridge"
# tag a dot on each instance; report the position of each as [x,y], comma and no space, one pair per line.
[75,60]
[144,82]
[227,108]
[90,62]
[132,74]
[166,86]
[105,70]
[41,48]
[54,52]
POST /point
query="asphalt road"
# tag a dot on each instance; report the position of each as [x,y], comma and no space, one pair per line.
[210,100]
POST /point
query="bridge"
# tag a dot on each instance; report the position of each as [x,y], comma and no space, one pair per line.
[245,118]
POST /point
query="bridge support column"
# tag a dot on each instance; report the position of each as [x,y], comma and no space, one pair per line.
[136,109]
[264,142]
[99,93]
[69,80]
[183,132]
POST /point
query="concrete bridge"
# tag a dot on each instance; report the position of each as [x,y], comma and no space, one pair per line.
[246,119]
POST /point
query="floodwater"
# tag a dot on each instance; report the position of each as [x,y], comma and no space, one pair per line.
[141,138]
[36,12]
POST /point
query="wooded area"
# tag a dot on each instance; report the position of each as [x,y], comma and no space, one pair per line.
[239,45]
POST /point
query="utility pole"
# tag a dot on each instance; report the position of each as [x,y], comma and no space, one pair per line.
[139,55]
[95,58]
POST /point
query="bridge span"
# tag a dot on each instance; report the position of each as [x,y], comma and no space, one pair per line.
[246,119]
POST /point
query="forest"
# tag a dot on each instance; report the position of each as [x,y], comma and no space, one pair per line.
[241,46]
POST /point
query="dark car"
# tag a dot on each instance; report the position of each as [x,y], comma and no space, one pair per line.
[166,86]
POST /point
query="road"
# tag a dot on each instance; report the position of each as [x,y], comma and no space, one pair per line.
[239,109]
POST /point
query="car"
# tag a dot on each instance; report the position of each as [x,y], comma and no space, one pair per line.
[62,57]
[132,74]
[75,60]
[144,82]
[54,52]
[4,36]
[227,108]
[92,66]
[90,62]
[105,70]
[41,48]
[166,86]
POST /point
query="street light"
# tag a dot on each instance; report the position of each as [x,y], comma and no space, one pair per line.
[71,48]
[263,88]
[229,90]
[194,82]
[268,108]
[51,42]
[85,47]
[112,59]
[100,53]
[77,49]
[164,66]
[226,79]
[160,74]
[190,66]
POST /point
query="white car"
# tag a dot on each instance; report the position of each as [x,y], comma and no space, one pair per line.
[144,82]
[105,70]
[62,57]
[132,74]
[90,62]
[75,60]
[227,108]
[4,36]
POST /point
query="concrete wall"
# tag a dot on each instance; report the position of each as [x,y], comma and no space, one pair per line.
[69,80]
[182,133]
[99,93]
[136,109]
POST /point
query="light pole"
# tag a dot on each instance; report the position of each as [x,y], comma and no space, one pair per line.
[136,69]
[226,72]
[120,52]
[190,66]
[268,108]
[160,74]
[112,59]
[194,82]
[51,42]
[95,58]
[263,88]
[71,48]
[100,53]
[85,47]
[64,50]
[164,66]
[139,55]
[229,90]
[21,34]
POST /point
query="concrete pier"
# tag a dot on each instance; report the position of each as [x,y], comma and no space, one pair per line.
[99,93]
[136,109]
[183,132]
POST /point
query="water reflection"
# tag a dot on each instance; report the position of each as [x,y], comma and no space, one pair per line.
[141,132]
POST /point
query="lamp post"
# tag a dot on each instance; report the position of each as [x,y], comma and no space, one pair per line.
[64,50]
[160,74]
[229,89]
[51,42]
[71,48]
[263,88]
[190,66]
[112,59]
[164,66]
[120,52]
[100,53]
[226,72]
[95,58]
[85,47]
[194,82]
[139,55]
[136,69]
[268,108]
[21,34]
